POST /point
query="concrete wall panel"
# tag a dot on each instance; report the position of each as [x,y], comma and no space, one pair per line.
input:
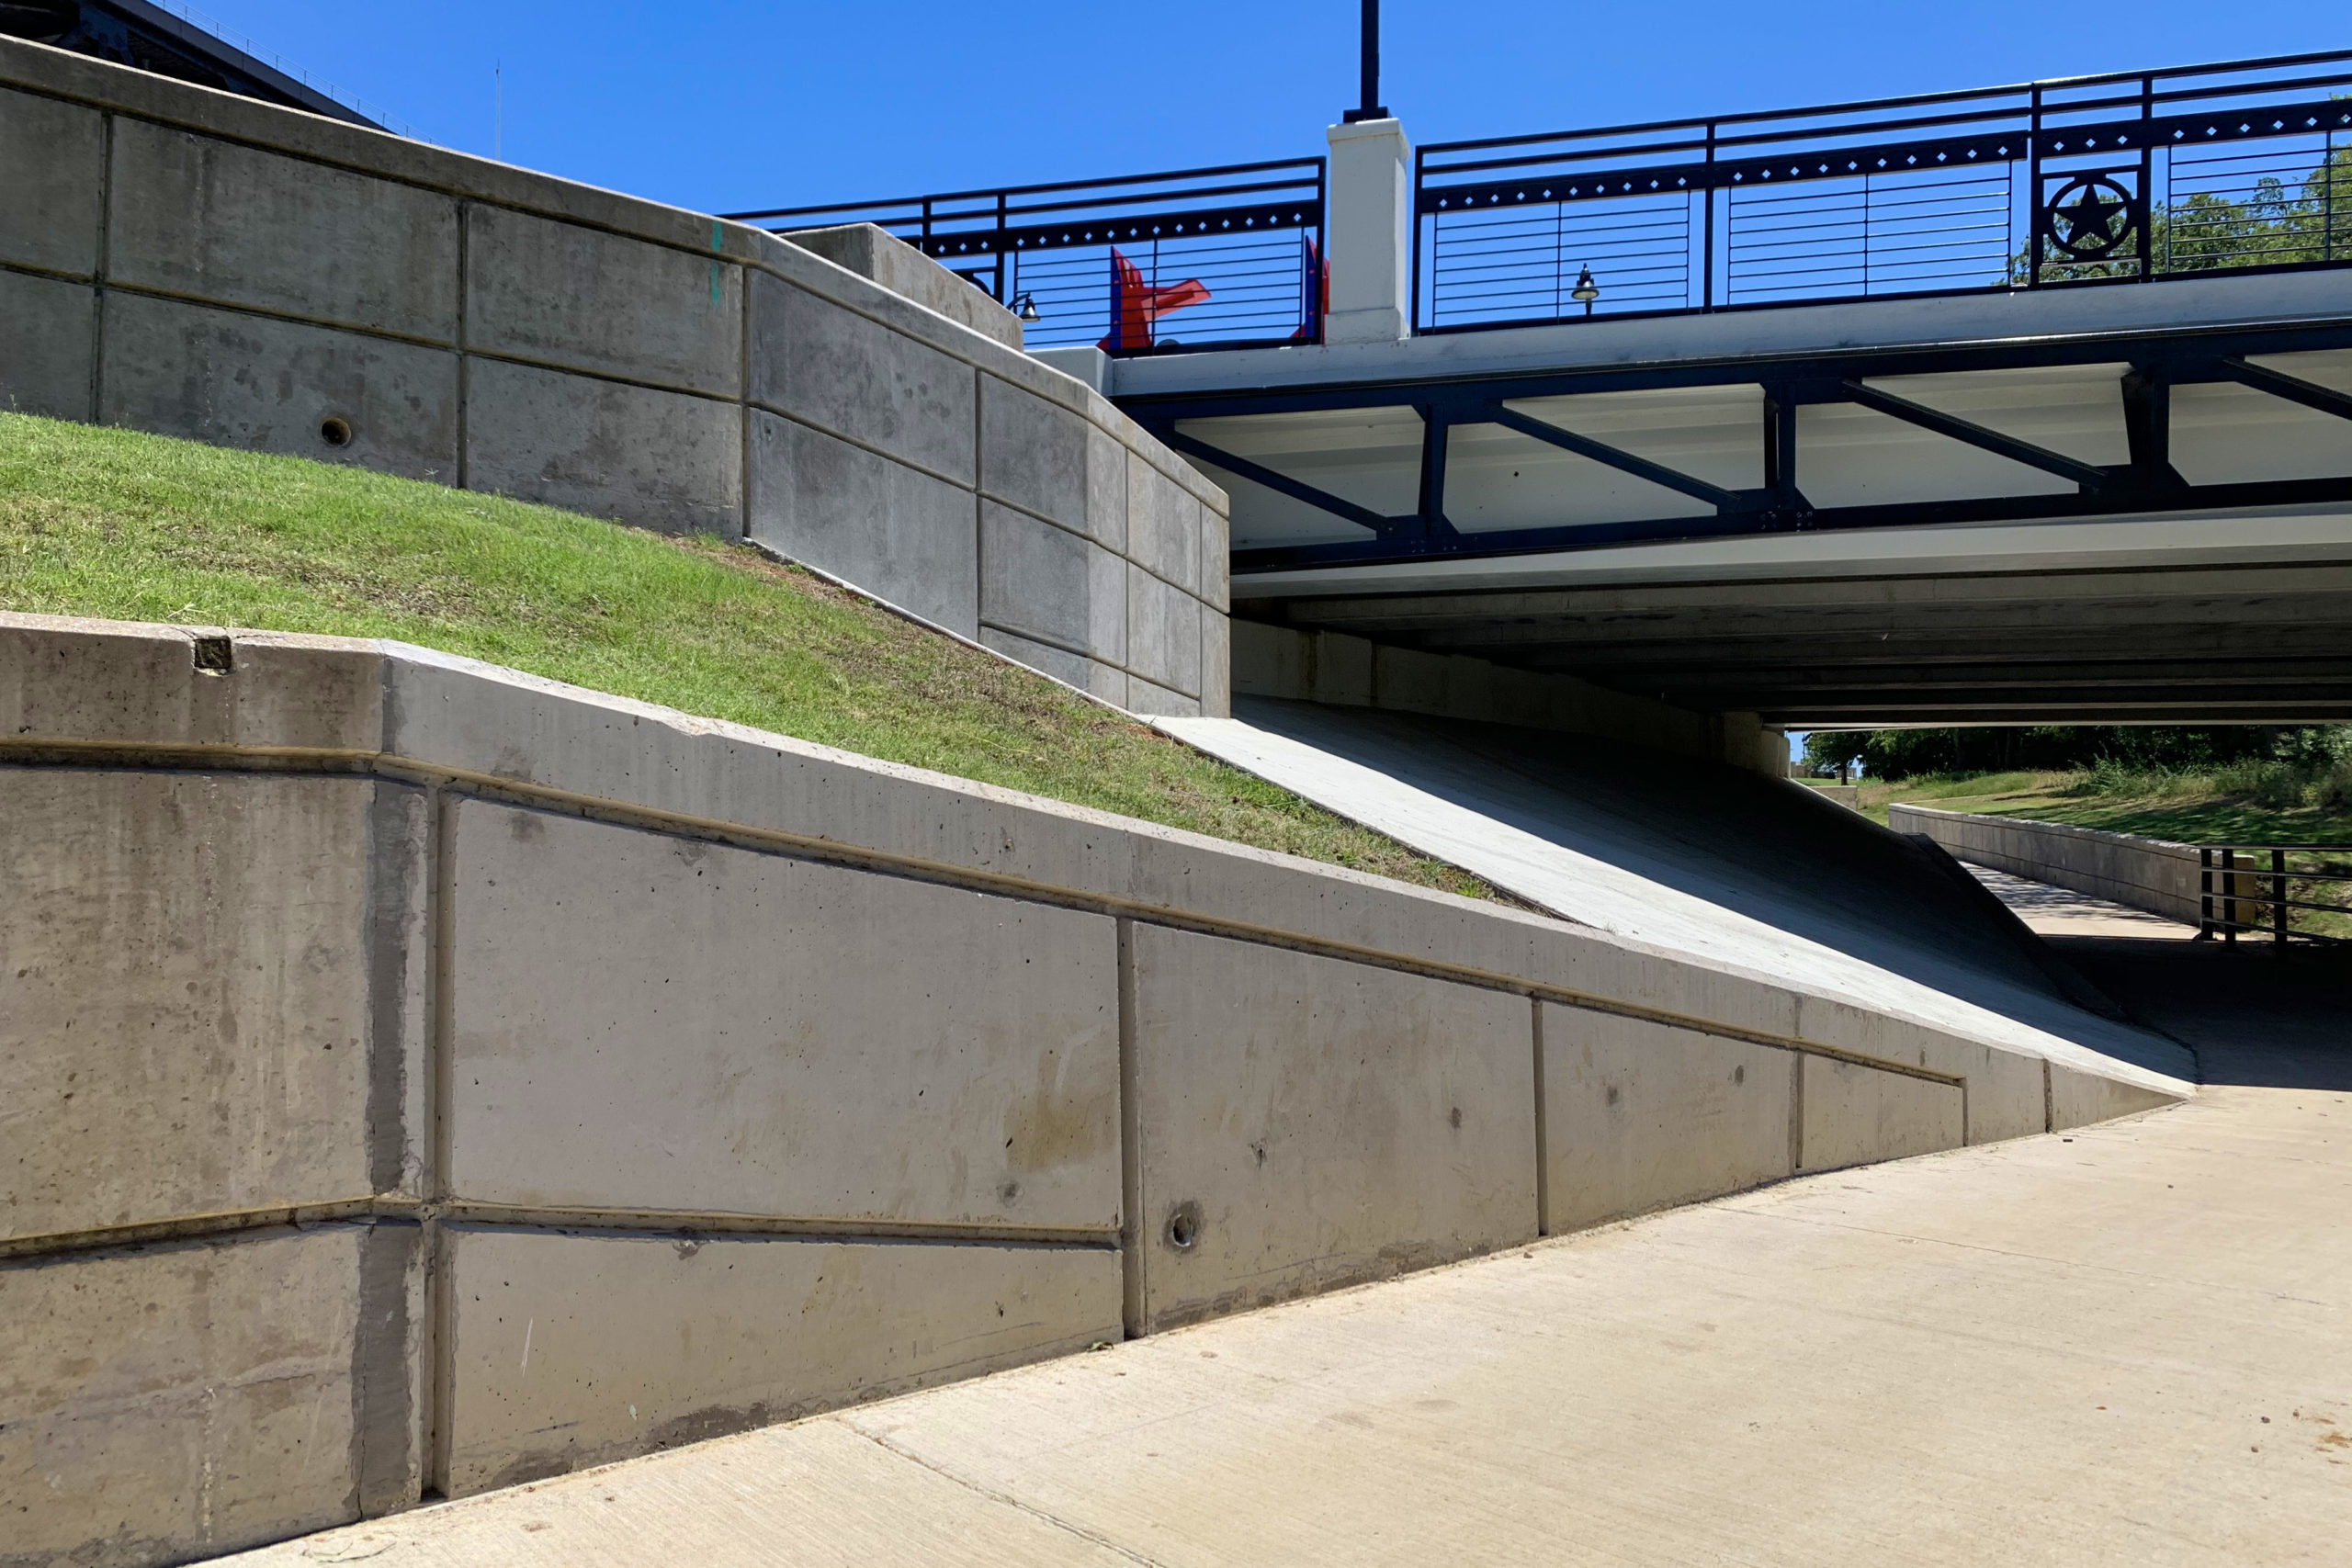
[547,291]
[898,533]
[1032,454]
[1144,697]
[1217,666]
[1042,581]
[1164,524]
[52,167]
[1106,491]
[1309,1123]
[732,1029]
[1060,663]
[657,459]
[1639,1116]
[2079,1099]
[842,372]
[48,327]
[1854,1115]
[170,1403]
[1163,633]
[236,379]
[185,1026]
[196,216]
[576,1349]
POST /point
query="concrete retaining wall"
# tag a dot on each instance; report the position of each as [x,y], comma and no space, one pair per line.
[2154,874]
[182,261]
[420,1077]
[1354,671]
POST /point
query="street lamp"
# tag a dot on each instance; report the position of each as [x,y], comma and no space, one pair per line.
[1026,309]
[1586,291]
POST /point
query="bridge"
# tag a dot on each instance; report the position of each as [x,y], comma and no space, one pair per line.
[2027,404]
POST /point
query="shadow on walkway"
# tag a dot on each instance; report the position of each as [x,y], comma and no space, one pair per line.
[2254,1014]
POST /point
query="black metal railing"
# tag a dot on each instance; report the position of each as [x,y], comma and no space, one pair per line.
[2275,890]
[1226,257]
[2090,180]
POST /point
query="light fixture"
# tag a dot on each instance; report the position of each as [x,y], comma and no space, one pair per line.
[1026,309]
[1586,291]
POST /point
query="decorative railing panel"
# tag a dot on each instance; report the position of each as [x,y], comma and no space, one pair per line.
[2093,180]
[1197,258]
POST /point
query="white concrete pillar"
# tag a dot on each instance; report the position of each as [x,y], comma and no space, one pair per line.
[1367,243]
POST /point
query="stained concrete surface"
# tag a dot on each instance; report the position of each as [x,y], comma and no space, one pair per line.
[2129,1344]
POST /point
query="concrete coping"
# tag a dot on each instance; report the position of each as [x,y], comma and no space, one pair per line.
[61,74]
[74,689]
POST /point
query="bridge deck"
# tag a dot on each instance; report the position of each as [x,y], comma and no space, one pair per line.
[2127,1345]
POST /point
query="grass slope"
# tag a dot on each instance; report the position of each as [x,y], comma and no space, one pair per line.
[125,527]
[2190,809]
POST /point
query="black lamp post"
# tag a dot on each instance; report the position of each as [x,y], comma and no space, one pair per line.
[1586,291]
[1370,107]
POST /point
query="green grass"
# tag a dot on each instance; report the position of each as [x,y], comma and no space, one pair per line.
[125,527]
[2190,809]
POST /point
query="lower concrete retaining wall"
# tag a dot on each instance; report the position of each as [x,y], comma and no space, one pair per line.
[1354,671]
[420,1077]
[197,265]
[2154,874]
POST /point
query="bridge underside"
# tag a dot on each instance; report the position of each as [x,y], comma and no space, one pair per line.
[1997,624]
[2143,520]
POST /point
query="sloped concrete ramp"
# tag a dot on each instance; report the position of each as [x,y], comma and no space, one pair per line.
[1710,860]
[2129,1345]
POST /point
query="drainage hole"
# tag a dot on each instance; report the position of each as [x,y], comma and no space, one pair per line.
[335,431]
[1184,1227]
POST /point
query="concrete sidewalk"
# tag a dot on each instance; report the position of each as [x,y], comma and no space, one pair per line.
[2062,911]
[2129,1345]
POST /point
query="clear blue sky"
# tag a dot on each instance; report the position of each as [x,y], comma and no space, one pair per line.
[728,106]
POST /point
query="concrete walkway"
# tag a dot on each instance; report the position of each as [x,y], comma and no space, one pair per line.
[2062,911]
[2131,1345]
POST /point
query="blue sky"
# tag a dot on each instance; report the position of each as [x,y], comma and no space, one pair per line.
[726,106]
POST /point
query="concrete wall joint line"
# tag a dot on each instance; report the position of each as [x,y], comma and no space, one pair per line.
[508,1216]
[833,851]
[31,269]
[328,324]
[995,500]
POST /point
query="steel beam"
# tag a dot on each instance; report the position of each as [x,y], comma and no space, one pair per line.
[1298,489]
[1616,457]
[2294,388]
[2089,476]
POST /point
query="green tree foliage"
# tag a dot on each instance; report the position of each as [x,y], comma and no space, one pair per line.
[1908,753]
[2275,224]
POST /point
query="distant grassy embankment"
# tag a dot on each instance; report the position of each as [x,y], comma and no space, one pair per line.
[125,527]
[2239,802]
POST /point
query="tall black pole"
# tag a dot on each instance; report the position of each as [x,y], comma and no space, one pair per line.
[1368,105]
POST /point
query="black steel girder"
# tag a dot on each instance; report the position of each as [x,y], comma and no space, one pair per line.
[2157,362]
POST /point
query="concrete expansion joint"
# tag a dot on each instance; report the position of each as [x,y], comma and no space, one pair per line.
[507,791]
[1005,1499]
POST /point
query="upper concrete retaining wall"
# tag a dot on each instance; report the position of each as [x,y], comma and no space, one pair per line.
[2154,874]
[187,262]
[421,1077]
[1354,671]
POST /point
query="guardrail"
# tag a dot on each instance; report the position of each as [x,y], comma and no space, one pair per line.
[2259,896]
[1227,257]
[2095,179]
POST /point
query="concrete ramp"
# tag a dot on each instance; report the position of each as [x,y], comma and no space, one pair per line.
[1725,865]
